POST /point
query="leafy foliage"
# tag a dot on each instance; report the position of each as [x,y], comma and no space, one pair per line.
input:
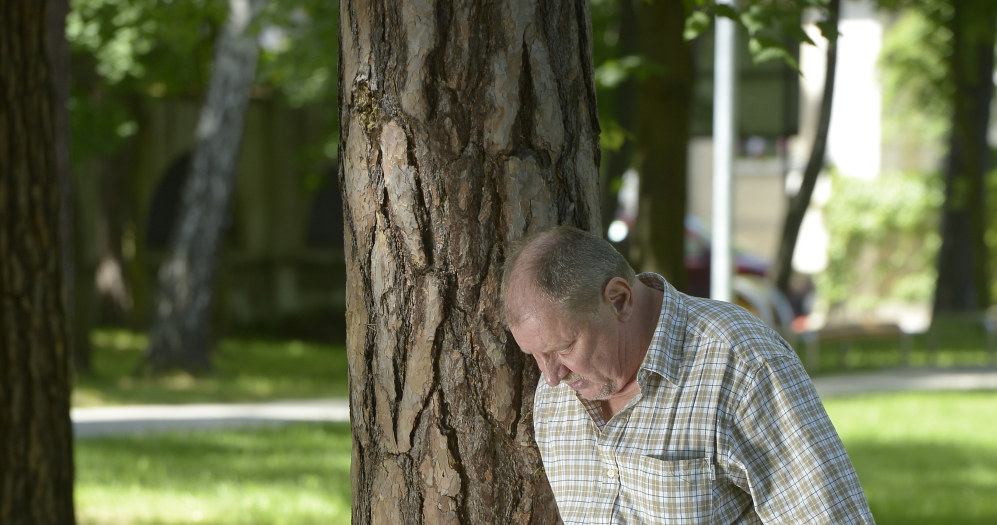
[916,83]
[150,44]
[883,238]
[123,51]
[299,41]
[772,26]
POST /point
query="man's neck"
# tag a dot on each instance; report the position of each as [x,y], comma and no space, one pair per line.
[648,302]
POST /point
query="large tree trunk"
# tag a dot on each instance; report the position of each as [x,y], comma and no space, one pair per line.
[464,125]
[181,330]
[36,455]
[798,204]
[663,102]
[963,281]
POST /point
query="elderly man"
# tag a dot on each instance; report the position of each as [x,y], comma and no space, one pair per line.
[658,407]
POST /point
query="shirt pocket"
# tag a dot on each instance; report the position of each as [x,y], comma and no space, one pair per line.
[667,491]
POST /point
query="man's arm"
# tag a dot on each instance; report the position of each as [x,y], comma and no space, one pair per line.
[796,466]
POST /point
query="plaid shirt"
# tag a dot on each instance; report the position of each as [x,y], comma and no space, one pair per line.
[726,428]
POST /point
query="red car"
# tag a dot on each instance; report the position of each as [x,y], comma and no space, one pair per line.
[697,259]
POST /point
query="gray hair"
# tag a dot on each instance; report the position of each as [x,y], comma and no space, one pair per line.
[569,267]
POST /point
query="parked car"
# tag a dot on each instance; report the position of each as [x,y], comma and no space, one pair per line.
[698,256]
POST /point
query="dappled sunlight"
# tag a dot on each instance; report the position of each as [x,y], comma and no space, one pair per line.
[298,474]
[181,381]
[119,340]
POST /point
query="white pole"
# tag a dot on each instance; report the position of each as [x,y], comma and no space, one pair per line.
[724,80]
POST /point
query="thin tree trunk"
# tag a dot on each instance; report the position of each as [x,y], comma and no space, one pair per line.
[663,102]
[111,286]
[463,126]
[963,279]
[798,204]
[181,331]
[36,455]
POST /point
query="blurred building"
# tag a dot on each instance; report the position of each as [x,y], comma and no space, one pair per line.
[778,112]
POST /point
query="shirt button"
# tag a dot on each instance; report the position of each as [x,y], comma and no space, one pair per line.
[611,474]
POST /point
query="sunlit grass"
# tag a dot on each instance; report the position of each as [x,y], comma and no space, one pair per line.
[246,370]
[923,457]
[295,474]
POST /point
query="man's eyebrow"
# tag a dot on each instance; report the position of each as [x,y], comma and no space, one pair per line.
[559,348]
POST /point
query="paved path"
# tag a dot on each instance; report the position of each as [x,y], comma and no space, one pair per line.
[142,419]
[903,379]
[139,419]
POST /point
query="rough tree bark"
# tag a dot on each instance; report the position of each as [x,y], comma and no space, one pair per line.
[181,330]
[963,279]
[36,456]
[464,125]
[798,204]
[663,102]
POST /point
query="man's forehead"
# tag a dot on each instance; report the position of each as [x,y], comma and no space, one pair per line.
[522,300]
[535,334]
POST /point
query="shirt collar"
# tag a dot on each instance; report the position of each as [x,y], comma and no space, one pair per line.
[665,354]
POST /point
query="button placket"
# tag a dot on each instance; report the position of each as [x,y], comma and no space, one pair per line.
[609,462]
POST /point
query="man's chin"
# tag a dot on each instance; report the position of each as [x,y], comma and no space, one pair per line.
[587,392]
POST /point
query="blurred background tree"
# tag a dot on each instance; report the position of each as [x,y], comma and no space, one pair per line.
[181,334]
[124,56]
[937,74]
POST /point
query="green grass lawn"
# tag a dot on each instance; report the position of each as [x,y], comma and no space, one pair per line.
[294,475]
[923,458]
[246,370]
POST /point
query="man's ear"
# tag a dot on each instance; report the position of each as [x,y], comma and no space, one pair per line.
[620,296]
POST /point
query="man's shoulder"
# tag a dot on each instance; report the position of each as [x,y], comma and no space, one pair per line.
[732,337]
[730,323]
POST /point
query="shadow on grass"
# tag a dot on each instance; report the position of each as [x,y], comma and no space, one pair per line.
[927,483]
[245,370]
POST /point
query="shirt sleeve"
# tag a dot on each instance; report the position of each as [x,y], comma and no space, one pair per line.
[796,467]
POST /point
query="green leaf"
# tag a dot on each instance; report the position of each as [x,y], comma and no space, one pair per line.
[764,49]
[828,29]
[697,23]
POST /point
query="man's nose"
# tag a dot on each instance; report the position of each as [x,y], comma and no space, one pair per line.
[553,370]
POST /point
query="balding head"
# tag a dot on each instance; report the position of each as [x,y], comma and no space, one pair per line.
[564,267]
